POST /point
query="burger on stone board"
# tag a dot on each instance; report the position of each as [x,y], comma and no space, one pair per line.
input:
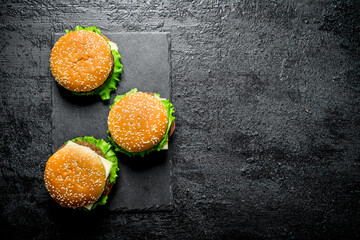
[81,173]
[140,122]
[86,62]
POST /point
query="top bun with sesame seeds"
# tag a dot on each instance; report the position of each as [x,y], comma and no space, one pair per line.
[83,60]
[140,122]
[79,174]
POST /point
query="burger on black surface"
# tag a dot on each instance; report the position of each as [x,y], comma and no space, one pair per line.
[140,122]
[86,62]
[81,173]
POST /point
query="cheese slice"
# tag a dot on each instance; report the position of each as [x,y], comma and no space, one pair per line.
[107,164]
[113,46]
[165,146]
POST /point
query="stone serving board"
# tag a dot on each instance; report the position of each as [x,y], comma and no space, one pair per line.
[144,183]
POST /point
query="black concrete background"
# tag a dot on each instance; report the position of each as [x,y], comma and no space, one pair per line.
[268,123]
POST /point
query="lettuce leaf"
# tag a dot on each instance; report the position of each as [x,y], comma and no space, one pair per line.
[92,29]
[110,83]
[169,110]
[109,155]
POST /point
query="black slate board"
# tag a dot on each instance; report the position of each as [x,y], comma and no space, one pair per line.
[143,183]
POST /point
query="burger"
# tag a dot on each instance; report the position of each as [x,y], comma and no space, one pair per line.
[86,62]
[81,173]
[140,122]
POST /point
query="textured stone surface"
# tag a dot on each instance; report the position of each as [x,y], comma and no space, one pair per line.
[267,104]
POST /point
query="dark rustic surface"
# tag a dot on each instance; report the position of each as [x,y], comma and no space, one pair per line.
[268,123]
[144,184]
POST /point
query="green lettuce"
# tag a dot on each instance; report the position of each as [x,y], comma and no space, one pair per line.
[92,29]
[169,110]
[109,155]
[110,84]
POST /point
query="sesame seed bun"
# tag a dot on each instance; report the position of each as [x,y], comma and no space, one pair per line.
[138,122]
[100,153]
[81,61]
[75,176]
